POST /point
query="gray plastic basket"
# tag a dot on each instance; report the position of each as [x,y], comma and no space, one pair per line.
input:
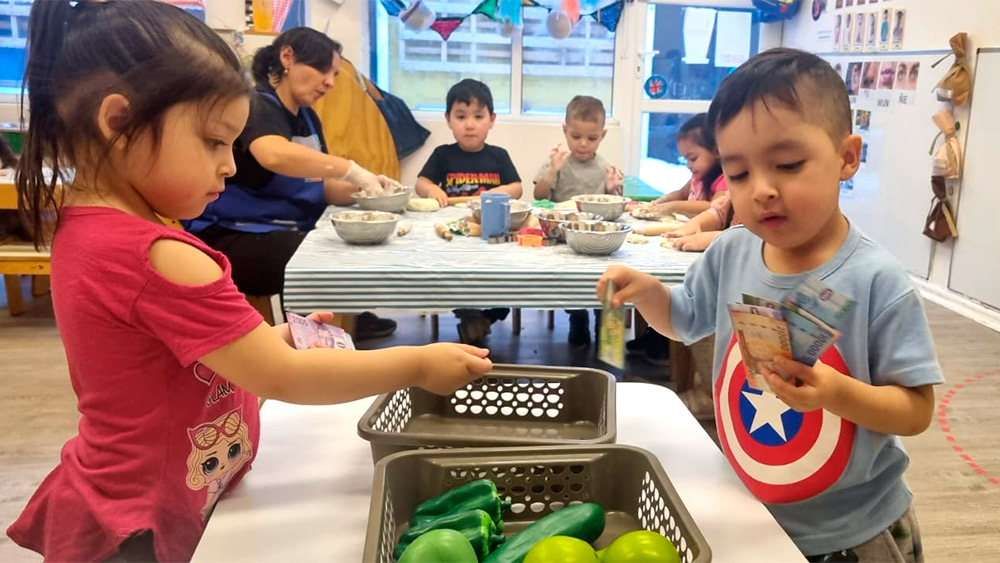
[512,406]
[628,482]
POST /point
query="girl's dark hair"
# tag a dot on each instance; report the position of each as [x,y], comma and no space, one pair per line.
[152,53]
[696,131]
[309,46]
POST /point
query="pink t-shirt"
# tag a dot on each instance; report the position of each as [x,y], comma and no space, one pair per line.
[161,436]
[697,188]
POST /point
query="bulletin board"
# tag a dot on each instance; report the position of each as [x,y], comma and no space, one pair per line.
[890,195]
[975,267]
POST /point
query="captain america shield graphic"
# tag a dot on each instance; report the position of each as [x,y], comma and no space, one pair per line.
[780,454]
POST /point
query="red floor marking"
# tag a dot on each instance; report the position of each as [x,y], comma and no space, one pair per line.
[943,422]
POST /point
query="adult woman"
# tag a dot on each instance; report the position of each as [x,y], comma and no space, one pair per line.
[284,177]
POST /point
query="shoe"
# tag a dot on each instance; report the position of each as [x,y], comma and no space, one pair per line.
[658,354]
[472,331]
[371,326]
[639,344]
[579,329]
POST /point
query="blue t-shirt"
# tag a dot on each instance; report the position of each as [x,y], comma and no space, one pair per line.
[830,483]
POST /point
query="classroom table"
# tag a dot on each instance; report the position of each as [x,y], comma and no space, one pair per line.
[423,272]
[308,494]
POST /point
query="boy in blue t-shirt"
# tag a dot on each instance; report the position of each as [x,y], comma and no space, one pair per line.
[822,452]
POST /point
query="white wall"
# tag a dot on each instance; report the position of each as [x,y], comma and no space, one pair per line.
[930,23]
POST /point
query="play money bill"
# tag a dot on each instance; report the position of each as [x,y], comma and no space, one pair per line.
[810,336]
[306,333]
[815,297]
[761,334]
[611,336]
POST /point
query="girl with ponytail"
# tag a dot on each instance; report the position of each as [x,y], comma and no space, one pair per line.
[135,106]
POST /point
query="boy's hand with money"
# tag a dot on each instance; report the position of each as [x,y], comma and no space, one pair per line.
[650,297]
[804,388]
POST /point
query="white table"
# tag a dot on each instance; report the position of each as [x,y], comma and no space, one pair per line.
[307,497]
[423,272]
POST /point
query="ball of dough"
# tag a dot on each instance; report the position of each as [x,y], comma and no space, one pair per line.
[423,204]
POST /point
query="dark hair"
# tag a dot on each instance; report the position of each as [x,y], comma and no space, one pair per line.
[696,131]
[309,46]
[469,91]
[796,79]
[585,108]
[154,54]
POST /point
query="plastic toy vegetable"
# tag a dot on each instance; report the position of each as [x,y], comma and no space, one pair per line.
[582,521]
[439,546]
[475,525]
[640,546]
[561,549]
[480,494]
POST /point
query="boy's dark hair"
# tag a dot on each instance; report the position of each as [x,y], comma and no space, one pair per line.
[796,79]
[469,91]
[154,54]
[696,131]
[309,46]
[585,108]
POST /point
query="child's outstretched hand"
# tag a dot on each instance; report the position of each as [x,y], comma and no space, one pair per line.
[689,228]
[804,388]
[439,195]
[446,367]
[614,180]
[632,285]
[558,157]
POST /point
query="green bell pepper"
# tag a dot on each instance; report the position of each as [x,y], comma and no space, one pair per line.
[439,546]
[475,525]
[480,494]
[640,546]
[582,521]
[561,549]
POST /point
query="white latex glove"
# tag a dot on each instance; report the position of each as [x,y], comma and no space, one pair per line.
[362,178]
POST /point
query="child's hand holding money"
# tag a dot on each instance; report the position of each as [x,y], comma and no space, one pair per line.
[286,334]
[804,388]
[633,286]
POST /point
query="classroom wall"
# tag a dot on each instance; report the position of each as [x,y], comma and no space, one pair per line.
[930,23]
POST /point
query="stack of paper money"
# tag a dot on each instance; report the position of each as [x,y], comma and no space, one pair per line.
[801,327]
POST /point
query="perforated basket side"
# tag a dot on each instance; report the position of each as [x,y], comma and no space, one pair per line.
[395,414]
[510,397]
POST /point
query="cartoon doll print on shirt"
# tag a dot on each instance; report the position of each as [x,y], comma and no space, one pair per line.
[219,450]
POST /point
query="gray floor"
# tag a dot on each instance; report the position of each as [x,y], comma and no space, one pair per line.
[958,507]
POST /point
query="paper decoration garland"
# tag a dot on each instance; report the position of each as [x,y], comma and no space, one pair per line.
[508,14]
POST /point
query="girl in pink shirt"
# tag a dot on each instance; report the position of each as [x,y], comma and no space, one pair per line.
[707,181]
[165,356]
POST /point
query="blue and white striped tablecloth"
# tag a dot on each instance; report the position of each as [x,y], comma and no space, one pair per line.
[423,272]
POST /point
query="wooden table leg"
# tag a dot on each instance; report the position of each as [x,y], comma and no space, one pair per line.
[515,319]
[640,324]
[552,320]
[15,300]
[681,366]
[39,285]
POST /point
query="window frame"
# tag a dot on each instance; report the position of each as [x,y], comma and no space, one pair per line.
[380,64]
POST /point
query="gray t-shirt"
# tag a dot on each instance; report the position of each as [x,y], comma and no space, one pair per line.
[830,483]
[576,178]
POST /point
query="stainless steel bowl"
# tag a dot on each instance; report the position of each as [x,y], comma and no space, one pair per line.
[550,221]
[608,206]
[394,202]
[364,227]
[598,238]
[519,211]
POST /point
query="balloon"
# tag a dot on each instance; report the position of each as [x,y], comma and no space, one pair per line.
[418,16]
[559,24]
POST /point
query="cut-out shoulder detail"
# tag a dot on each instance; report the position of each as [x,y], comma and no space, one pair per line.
[183,264]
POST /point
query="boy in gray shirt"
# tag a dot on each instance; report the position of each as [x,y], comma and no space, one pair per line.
[822,449]
[580,170]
